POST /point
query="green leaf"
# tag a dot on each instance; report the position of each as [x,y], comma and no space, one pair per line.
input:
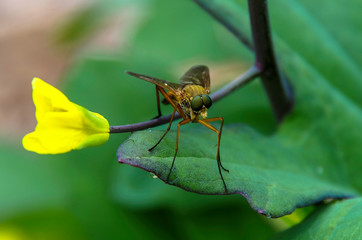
[338,220]
[259,167]
[342,22]
[318,43]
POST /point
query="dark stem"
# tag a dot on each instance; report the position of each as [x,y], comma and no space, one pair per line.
[277,87]
[226,90]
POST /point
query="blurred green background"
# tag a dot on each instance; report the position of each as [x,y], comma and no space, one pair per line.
[84,48]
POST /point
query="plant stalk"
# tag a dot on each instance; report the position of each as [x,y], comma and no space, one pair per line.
[275,83]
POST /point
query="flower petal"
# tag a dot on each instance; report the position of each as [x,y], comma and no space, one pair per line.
[62,125]
[47,98]
[62,132]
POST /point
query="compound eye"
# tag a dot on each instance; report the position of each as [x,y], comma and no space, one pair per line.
[206,100]
[196,103]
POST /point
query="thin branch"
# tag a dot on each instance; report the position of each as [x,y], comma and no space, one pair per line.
[226,90]
[275,83]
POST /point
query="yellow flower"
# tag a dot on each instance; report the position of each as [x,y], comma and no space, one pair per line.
[62,125]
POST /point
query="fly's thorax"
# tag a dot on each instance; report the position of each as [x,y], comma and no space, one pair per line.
[193,90]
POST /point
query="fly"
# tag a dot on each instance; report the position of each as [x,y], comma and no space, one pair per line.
[190,98]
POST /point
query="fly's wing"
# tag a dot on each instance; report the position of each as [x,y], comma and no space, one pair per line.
[170,86]
[197,75]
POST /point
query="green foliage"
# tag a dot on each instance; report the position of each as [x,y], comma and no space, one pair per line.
[88,195]
[273,175]
[310,158]
[84,189]
[335,61]
[338,220]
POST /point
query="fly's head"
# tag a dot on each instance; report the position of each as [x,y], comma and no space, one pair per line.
[200,104]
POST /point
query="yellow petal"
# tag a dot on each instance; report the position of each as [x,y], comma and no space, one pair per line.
[62,125]
[48,99]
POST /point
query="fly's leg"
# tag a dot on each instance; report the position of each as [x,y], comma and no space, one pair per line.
[176,108]
[209,126]
[183,122]
[168,129]
[168,99]
[218,137]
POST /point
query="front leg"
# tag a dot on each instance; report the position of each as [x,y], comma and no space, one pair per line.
[209,126]
[218,136]
[168,129]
